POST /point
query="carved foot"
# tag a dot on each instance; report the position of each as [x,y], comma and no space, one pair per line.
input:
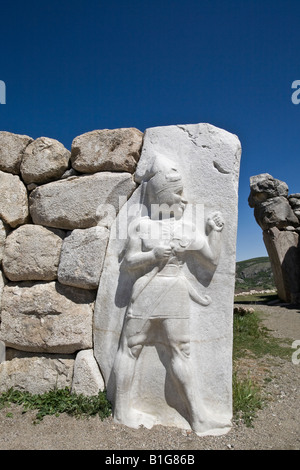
[211,426]
[134,419]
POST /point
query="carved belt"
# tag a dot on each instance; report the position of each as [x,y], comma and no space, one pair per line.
[170,270]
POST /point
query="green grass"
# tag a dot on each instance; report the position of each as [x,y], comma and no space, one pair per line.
[250,335]
[247,399]
[56,402]
[251,338]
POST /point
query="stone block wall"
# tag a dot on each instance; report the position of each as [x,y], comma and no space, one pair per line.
[54,230]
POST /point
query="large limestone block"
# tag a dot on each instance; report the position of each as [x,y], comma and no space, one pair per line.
[13,200]
[294,200]
[107,150]
[32,252]
[46,317]
[87,379]
[12,147]
[82,257]
[169,284]
[269,197]
[36,375]
[80,202]
[264,186]
[44,160]
[283,250]
[3,234]
[275,212]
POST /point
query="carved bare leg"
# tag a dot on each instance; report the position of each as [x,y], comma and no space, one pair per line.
[124,369]
[181,369]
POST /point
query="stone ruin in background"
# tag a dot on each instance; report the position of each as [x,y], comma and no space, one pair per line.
[278,214]
[99,289]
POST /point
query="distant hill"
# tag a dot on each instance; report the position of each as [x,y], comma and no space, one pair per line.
[255,273]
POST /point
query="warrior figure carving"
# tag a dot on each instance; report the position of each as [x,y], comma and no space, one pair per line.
[159,309]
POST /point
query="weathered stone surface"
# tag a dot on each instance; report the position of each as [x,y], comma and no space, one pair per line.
[294,200]
[44,160]
[2,284]
[137,303]
[31,186]
[36,375]
[70,172]
[82,257]
[107,150]
[275,212]
[2,344]
[283,250]
[12,353]
[2,352]
[12,147]
[46,317]
[264,186]
[87,378]
[80,202]
[3,234]
[13,200]
[32,252]
[269,197]
[278,214]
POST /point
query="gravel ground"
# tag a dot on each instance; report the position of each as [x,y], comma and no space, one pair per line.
[277,425]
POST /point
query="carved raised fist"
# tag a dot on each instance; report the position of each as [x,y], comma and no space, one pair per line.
[162,251]
[215,221]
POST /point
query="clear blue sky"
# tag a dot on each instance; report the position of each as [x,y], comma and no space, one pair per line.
[74,66]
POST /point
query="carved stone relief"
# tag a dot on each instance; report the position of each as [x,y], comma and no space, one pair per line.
[163,314]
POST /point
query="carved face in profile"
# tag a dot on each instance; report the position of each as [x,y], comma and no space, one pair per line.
[172,202]
[165,192]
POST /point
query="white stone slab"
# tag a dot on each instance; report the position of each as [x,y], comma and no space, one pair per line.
[191,324]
